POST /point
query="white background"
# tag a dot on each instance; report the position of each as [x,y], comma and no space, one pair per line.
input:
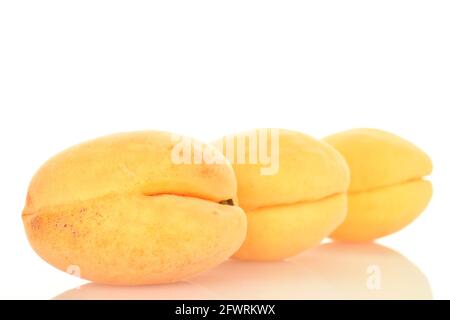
[74,70]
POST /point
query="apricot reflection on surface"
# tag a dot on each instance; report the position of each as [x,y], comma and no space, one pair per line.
[330,271]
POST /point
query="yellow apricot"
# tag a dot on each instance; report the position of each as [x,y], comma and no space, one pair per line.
[285,230]
[120,211]
[297,205]
[387,190]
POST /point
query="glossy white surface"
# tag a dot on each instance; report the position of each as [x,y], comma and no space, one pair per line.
[331,271]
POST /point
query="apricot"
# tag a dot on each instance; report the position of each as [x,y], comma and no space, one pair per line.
[296,205]
[119,210]
[387,189]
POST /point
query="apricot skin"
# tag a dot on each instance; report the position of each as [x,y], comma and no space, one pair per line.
[380,212]
[275,233]
[387,189]
[122,213]
[298,206]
